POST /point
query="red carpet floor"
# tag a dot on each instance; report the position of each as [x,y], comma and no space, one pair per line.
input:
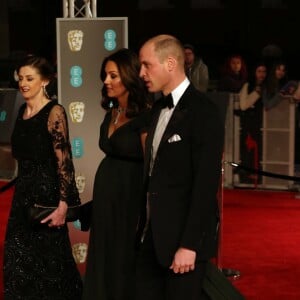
[5,202]
[261,239]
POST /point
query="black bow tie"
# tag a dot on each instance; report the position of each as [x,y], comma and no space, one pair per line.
[167,101]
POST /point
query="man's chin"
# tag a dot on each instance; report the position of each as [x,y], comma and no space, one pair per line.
[151,89]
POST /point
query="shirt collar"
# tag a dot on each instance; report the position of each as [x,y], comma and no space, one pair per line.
[178,92]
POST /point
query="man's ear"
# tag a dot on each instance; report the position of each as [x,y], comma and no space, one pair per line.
[171,63]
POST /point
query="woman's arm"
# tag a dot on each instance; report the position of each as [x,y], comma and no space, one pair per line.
[247,100]
[58,129]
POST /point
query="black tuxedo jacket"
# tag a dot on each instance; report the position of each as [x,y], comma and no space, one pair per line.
[182,189]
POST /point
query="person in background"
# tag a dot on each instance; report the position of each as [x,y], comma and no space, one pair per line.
[251,123]
[38,260]
[276,80]
[233,74]
[183,154]
[195,69]
[251,90]
[110,271]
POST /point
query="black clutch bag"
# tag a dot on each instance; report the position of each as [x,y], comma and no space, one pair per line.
[85,215]
[37,213]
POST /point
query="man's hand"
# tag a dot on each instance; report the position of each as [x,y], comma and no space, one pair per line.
[184,261]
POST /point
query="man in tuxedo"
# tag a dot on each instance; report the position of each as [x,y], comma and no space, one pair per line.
[183,156]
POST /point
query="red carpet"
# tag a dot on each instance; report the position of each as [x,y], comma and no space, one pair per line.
[261,239]
[5,202]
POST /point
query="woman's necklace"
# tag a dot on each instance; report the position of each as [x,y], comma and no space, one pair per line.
[120,110]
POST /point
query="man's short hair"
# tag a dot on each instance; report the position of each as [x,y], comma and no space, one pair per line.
[189,46]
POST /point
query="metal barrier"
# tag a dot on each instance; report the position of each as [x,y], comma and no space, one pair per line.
[80,8]
[277,149]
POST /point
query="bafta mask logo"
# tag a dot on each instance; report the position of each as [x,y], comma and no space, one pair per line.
[80,183]
[76,110]
[75,39]
[79,251]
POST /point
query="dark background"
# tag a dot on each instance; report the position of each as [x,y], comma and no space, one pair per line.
[237,26]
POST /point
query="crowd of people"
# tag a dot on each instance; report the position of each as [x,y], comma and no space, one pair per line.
[256,86]
[155,212]
[234,73]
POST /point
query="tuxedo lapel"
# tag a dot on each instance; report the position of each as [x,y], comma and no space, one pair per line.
[177,116]
[149,141]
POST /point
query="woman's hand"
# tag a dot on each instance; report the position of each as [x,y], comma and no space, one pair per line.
[58,217]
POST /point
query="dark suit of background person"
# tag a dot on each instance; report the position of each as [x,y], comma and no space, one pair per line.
[182,189]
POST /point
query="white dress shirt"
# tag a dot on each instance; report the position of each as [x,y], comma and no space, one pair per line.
[164,118]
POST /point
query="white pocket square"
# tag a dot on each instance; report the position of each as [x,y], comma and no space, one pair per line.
[174,138]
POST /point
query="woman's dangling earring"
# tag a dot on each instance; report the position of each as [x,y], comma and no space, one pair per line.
[45,92]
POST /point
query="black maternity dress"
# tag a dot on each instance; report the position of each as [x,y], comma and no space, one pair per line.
[117,196]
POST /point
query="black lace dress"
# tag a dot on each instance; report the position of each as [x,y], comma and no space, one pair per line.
[117,195]
[38,261]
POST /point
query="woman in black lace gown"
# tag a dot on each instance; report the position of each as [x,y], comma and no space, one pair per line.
[117,187]
[38,261]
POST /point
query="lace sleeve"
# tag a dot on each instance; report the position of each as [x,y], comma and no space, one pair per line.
[58,129]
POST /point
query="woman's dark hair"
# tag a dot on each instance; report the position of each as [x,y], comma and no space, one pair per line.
[252,77]
[274,84]
[45,69]
[129,67]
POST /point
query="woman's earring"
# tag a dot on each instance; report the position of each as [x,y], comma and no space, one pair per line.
[45,92]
